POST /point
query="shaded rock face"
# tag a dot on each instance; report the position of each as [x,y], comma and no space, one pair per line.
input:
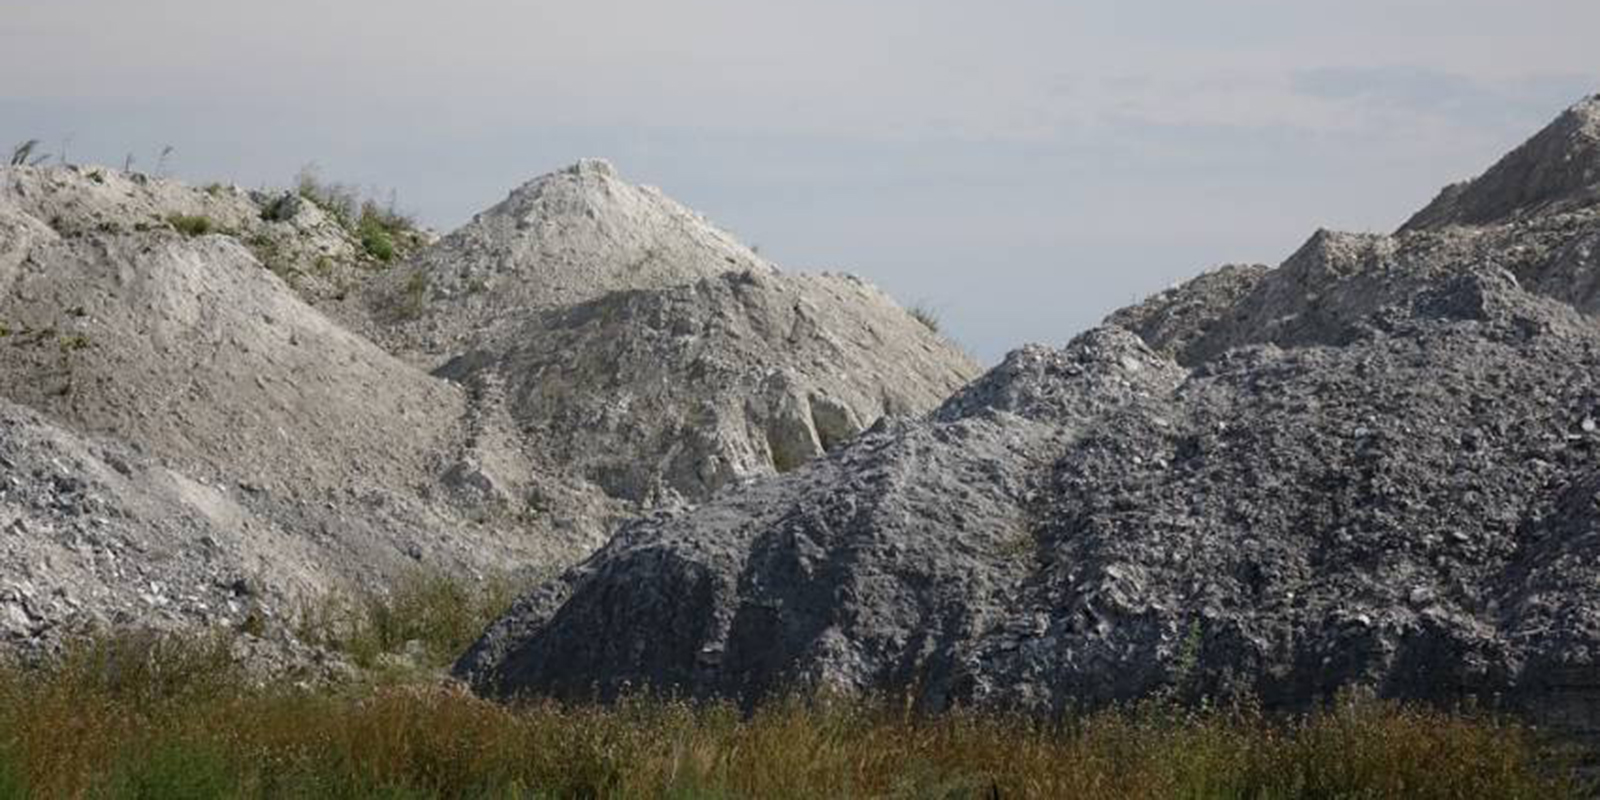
[1375,464]
[660,396]
[1557,169]
[835,573]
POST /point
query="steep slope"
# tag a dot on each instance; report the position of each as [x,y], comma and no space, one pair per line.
[1374,464]
[1555,170]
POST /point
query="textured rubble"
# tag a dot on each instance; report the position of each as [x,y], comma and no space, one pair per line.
[1375,464]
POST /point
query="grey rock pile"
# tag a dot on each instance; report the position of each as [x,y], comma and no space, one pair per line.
[1376,464]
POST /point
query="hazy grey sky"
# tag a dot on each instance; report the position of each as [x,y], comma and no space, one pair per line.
[1021,166]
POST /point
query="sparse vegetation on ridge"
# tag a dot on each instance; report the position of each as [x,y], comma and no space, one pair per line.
[23,154]
[382,231]
[191,225]
[924,314]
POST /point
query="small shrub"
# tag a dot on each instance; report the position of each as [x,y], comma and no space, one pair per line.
[380,229]
[1187,663]
[74,343]
[340,201]
[378,244]
[382,232]
[161,160]
[443,613]
[925,315]
[282,208]
[1020,546]
[198,225]
[271,255]
[414,295]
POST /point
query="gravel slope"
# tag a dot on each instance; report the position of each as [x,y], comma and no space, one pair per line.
[1374,464]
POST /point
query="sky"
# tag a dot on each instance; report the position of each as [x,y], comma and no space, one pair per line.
[1019,167]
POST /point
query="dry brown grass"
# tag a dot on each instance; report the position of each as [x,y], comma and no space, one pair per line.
[146,716]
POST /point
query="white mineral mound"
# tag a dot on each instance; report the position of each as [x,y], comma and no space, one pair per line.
[559,239]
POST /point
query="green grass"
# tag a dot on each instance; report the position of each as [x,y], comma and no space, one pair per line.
[441,614]
[382,232]
[191,225]
[377,242]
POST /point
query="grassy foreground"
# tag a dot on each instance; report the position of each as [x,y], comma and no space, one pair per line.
[142,715]
[161,718]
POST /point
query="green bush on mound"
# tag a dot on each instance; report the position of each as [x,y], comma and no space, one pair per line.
[438,613]
[191,225]
[382,231]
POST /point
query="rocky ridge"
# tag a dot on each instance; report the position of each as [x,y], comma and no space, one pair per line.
[1374,464]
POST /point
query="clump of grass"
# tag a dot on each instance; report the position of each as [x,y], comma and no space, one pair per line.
[924,314]
[414,295]
[272,256]
[196,225]
[376,240]
[382,231]
[440,613]
[339,200]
